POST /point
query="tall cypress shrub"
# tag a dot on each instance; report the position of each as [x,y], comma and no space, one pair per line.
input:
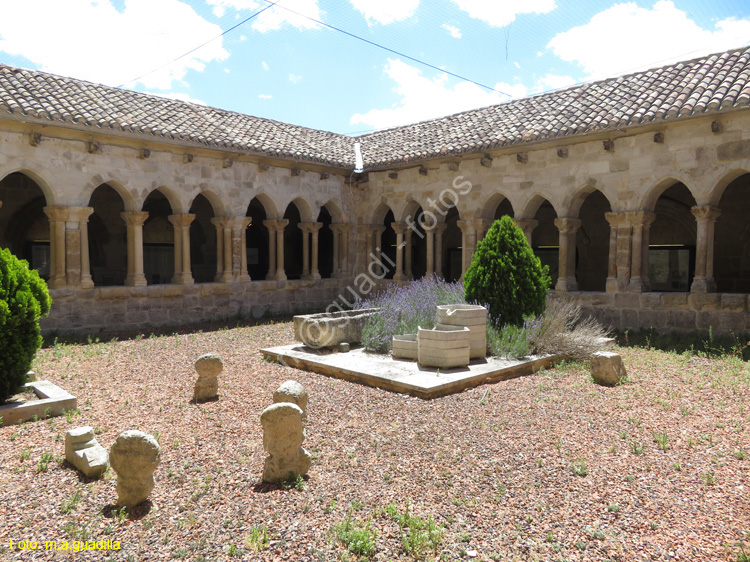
[24,300]
[506,276]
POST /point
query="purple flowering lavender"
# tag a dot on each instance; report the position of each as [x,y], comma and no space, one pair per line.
[405,308]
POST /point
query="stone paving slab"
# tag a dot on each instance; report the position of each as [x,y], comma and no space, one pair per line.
[404,376]
[50,396]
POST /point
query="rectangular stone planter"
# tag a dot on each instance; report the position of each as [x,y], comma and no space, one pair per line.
[404,346]
[444,349]
[52,399]
[474,317]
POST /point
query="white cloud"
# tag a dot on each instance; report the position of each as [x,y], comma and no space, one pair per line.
[295,78]
[178,96]
[453,30]
[554,82]
[108,46]
[265,96]
[424,98]
[665,35]
[500,13]
[273,18]
[517,65]
[264,64]
[385,11]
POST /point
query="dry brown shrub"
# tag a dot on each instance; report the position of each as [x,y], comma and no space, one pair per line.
[564,332]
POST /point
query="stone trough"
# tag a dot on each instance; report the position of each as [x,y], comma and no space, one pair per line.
[329,329]
[444,349]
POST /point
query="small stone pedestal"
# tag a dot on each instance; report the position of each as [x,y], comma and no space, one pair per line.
[209,368]
[283,435]
[607,368]
[134,456]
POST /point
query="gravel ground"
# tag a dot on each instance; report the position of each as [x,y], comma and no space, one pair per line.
[544,467]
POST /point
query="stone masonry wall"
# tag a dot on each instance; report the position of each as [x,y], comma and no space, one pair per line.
[111,309]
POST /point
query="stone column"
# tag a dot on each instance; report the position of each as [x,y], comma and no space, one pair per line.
[344,248]
[270,224]
[336,242]
[468,243]
[281,224]
[482,226]
[439,230]
[527,226]
[69,246]
[614,220]
[134,221]
[239,248]
[640,222]
[223,250]
[314,272]
[567,254]
[182,270]
[306,228]
[399,229]
[408,258]
[703,281]
[430,248]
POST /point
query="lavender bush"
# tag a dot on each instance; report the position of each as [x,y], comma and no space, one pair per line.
[405,308]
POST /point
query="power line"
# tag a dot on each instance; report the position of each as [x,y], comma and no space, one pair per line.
[222,34]
[379,46]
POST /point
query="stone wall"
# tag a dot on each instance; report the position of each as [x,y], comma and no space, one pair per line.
[682,312]
[112,309]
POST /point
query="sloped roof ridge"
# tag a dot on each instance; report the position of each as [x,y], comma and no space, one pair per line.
[552,93]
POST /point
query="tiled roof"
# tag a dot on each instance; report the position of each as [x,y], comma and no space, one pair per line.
[708,84]
[713,83]
[65,101]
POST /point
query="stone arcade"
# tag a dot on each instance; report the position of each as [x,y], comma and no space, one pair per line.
[143,211]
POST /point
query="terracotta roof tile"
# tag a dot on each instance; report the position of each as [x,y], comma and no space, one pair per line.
[718,82]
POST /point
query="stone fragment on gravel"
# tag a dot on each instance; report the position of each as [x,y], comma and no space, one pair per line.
[84,452]
[134,456]
[208,367]
[607,368]
[283,435]
[294,392]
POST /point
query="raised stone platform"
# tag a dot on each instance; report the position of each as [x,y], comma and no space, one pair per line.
[403,376]
[53,401]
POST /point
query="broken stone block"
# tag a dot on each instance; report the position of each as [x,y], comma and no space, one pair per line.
[283,436]
[208,367]
[134,456]
[83,451]
[294,392]
[607,368]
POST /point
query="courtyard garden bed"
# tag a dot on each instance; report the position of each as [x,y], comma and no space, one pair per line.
[542,467]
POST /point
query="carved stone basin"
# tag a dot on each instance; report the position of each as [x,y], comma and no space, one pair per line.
[328,329]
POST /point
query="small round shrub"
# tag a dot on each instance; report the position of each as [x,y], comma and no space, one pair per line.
[506,276]
[24,299]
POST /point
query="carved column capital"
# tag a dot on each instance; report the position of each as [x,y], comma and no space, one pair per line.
[641,218]
[182,219]
[134,218]
[706,212]
[567,225]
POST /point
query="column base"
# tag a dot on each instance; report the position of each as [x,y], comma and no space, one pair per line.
[315,275]
[636,285]
[400,277]
[87,282]
[611,286]
[136,281]
[566,285]
[183,279]
[703,285]
[59,282]
[244,278]
[280,276]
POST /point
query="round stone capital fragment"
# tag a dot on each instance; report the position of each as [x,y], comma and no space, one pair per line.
[294,393]
[209,365]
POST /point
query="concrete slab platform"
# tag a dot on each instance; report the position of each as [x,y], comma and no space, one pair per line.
[404,376]
[50,396]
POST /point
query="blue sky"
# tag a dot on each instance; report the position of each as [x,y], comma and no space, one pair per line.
[284,66]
